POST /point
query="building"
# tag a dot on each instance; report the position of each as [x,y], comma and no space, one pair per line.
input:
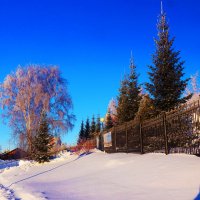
[14,154]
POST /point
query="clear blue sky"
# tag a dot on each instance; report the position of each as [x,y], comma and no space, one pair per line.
[91,41]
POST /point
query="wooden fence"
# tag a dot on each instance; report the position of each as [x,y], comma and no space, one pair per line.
[174,131]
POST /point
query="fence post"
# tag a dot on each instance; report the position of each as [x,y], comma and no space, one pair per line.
[141,137]
[115,139]
[126,139]
[165,134]
[101,141]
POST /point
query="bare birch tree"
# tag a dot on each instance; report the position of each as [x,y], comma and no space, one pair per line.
[24,94]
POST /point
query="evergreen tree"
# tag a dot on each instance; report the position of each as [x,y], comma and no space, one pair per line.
[146,109]
[166,74]
[134,89]
[81,133]
[87,129]
[98,124]
[92,127]
[42,141]
[108,121]
[129,96]
[122,108]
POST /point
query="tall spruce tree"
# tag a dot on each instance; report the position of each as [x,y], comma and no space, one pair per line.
[92,127]
[129,96]
[134,89]
[108,121]
[81,132]
[98,124]
[166,74]
[122,107]
[87,129]
[42,141]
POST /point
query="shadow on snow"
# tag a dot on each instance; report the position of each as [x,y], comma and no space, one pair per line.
[80,156]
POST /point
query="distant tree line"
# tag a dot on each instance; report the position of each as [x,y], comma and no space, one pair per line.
[88,129]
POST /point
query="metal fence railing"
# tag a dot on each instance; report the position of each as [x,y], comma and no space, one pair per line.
[174,131]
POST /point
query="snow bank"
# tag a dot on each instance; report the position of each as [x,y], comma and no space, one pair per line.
[8,163]
[99,176]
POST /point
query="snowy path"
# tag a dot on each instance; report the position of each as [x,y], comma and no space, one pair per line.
[105,176]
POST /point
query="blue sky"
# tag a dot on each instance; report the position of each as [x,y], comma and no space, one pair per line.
[91,41]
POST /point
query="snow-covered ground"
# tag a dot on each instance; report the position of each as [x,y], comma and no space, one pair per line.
[100,176]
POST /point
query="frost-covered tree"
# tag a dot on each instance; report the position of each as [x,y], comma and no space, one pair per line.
[166,74]
[41,142]
[28,91]
[194,87]
[112,107]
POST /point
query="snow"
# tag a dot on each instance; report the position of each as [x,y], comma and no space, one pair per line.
[6,193]
[8,163]
[100,175]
